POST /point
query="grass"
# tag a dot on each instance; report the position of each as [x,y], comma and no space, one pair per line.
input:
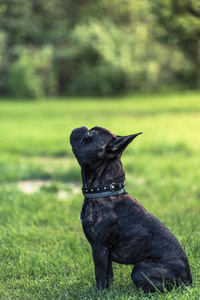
[43,251]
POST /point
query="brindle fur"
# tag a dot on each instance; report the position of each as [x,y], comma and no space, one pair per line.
[119,228]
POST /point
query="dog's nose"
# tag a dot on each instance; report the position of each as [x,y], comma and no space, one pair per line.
[78,132]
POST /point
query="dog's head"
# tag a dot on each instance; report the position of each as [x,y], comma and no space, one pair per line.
[98,144]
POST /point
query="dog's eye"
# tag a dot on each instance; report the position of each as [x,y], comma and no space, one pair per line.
[88,137]
[90,132]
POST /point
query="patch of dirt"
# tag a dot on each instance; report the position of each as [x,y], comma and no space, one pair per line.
[33,186]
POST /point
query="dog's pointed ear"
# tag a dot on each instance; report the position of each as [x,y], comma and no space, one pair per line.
[119,143]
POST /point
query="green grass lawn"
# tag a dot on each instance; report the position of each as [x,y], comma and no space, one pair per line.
[43,251]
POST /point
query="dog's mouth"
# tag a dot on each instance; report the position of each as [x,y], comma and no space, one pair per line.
[77,133]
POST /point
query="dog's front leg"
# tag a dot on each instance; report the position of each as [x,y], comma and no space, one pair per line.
[103,265]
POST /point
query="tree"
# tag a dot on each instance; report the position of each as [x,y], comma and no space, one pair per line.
[180,20]
[97,46]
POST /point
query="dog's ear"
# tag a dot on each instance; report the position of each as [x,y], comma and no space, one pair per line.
[119,143]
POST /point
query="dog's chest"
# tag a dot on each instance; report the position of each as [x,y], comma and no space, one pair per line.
[90,214]
[94,216]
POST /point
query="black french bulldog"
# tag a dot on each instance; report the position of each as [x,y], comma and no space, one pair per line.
[117,226]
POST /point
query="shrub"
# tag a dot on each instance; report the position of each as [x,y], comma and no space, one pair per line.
[105,59]
[3,63]
[32,74]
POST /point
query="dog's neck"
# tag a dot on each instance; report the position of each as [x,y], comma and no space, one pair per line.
[109,172]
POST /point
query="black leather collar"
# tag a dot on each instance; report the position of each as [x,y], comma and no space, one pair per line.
[104,191]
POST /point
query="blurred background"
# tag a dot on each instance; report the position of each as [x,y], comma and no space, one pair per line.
[85,47]
[128,66]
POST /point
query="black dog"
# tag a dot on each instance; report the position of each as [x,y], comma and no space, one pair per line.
[117,226]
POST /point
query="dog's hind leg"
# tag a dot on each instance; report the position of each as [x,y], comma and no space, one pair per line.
[152,276]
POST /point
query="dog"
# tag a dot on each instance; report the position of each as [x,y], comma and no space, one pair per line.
[116,225]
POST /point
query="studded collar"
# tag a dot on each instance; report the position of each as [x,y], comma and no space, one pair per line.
[104,191]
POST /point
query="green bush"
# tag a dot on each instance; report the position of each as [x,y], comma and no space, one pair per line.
[32,74]
[3,63]
[105,59]
[126,46]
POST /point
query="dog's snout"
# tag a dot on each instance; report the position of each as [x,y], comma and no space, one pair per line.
[77,133]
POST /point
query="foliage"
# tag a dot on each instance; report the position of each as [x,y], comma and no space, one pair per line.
[32,74]
[3,63]
[181,23]
[109,60]
[44,253]
[99,47]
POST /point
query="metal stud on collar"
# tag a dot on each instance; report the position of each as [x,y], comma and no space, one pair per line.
[112,187]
